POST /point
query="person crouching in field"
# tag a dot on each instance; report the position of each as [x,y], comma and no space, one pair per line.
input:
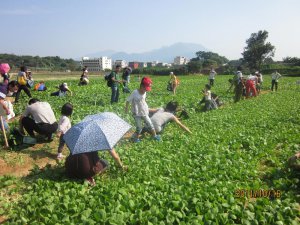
[63,90]
[163,116]
[251,86]
[64,125]
[38,117]
[259,82]
[41,86]
[207,97]
[84,80]
[140,109]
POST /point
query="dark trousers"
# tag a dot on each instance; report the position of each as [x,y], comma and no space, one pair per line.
[238,92]
[274,83]
[211,82]
[41,128]
[114,95]
[61,144]
[26,90]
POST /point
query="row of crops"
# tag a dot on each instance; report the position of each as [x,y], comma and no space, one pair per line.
[185,179]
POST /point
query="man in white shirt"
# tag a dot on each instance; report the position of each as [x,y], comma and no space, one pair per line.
[211,77]
[275,77]
[38,117]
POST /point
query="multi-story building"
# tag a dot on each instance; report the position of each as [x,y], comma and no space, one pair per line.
[97,64]
[120,62]
[151,64]
[133,65]
[180,60]
[142,64]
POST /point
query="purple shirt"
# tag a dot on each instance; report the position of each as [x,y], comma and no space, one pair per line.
[3,90]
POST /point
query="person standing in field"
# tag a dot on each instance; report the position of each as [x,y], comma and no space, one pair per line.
[126,79]
[275,77]
[174,82]
[259,82]
[22,81]
[115,87]
[64,125]
[140,109]
[238,85]
[211,77]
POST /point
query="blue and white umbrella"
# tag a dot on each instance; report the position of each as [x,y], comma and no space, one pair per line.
[96,132]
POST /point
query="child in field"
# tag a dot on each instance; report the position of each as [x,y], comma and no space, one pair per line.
[63,126]
[140,109]
[207,96]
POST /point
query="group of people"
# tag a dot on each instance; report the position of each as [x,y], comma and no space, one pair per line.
[116,82]
[251,85]
[38,117]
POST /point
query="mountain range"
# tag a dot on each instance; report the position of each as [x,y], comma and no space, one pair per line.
[163,54]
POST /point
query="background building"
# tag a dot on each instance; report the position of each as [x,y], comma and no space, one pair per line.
[180,60]
[133,65]
[120,62]
[97,64]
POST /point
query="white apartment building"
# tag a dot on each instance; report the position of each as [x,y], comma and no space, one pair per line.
[122,63]
[97,64]
[180,60]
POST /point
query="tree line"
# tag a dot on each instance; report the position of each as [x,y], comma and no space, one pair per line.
[51,63]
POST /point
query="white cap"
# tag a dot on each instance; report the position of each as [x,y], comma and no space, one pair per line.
[171,73]
[65,84]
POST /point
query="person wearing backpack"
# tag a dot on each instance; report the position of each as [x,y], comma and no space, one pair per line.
[22,81]
[115,84]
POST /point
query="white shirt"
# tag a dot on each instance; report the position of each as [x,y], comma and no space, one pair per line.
[208,95]
[41,112]
[160,118]
[212,74]
[276,76]
[11,109]
[138,103]
[64,124]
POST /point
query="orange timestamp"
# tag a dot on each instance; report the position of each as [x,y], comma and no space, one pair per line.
[259,193]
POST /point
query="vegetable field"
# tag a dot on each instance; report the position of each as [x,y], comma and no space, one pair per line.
[231,170]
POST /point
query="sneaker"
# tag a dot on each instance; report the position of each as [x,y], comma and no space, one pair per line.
[157,138]
[136,140]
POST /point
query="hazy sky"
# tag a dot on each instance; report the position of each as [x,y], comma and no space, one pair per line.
[74,28]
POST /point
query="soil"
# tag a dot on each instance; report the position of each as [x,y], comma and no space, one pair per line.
[20,163]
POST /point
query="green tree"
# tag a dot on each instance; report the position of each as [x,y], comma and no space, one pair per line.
[292,60]
[211,59]
[257,50]
[194,66]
